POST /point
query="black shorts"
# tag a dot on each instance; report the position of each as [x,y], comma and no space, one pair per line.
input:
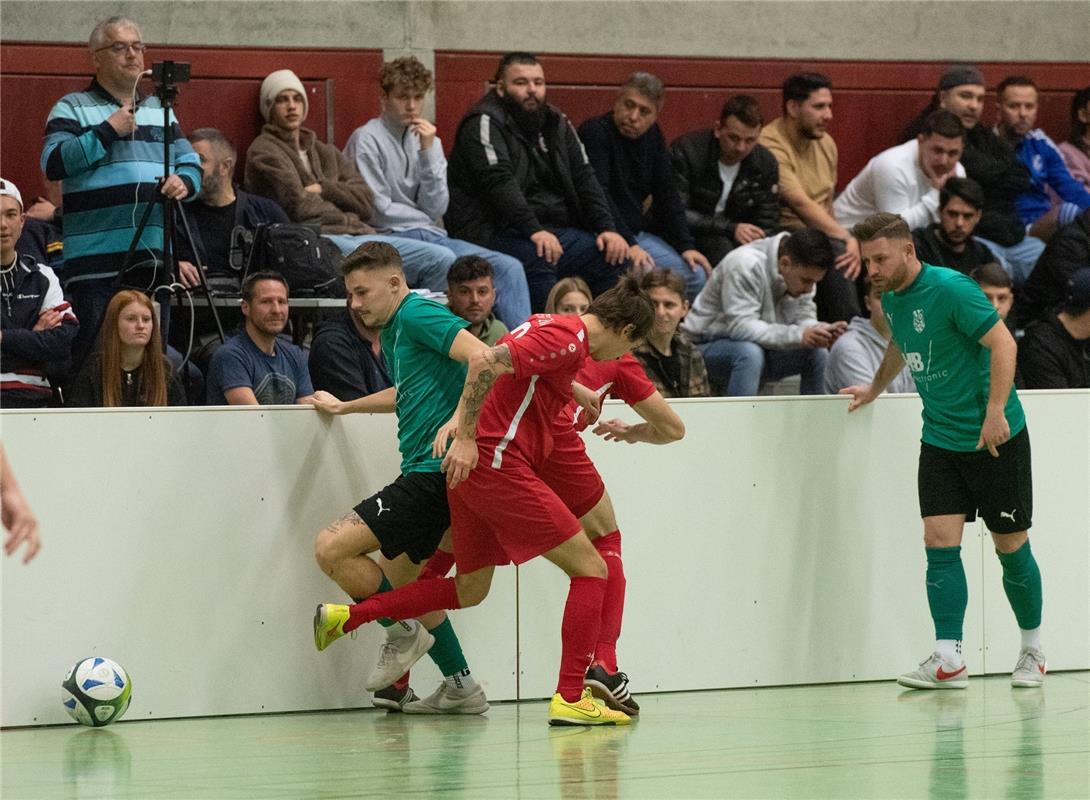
[1001,489]
[409,516]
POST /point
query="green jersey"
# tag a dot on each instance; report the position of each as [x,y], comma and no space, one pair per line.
[416,343]
[937,323]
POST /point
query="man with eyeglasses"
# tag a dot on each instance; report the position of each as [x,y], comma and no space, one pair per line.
[102,144]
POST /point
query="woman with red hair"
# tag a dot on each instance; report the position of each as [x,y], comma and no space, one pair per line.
[129,368]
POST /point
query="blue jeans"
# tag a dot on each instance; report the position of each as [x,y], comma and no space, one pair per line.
[1018,259]
[581,258]
[736,368]
[425,264]
[508,276]
[667,257]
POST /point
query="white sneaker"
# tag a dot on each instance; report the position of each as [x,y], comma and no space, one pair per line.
[934,673]
[396,656]
[1030,670]
[446,700]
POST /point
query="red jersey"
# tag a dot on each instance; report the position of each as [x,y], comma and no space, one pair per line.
[520,410]
[622,378]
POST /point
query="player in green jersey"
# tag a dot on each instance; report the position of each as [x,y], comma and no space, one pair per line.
[974,453]
[426,349]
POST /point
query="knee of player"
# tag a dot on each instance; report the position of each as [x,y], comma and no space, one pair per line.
[595,567]
[323,550]
[471,589]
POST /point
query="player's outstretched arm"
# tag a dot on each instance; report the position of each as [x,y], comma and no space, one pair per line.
[892,363]
[662,425]
[1003,354]
[19,521]
[484,368]
[383,402]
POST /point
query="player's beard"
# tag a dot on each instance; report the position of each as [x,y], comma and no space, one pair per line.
[529,122]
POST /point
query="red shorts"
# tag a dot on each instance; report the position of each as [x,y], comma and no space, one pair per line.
[499,516]
[571,474]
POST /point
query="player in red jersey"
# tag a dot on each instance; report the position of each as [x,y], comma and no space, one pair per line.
[502,510]
[571,474]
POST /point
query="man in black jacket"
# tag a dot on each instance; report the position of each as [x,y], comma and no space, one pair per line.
[1055,351]
[1067,252]
[521,183]
[993,164]
[728,181]
[950,241]
[629,155]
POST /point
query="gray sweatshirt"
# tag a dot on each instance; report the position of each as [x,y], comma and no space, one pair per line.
[746,299]
[855,357]
[410,185]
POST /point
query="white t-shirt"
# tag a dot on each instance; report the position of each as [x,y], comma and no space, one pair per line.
[892,182]
[727,174]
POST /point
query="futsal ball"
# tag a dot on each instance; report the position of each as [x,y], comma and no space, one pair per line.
[96,692]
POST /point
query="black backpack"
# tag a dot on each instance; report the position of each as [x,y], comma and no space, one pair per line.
[310,263]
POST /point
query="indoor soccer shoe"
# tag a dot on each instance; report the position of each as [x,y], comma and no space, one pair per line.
[1030,670]
[587,710]
[397,656]
[934,673]
[446,700]
[613,689]
[329,622]
[394,699]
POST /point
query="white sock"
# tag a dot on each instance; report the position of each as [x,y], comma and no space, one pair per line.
[1031,640]
[461,681]
[950,651]
[400,628]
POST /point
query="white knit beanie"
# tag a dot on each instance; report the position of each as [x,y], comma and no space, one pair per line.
[276,83]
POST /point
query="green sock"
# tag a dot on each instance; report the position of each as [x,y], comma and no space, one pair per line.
[447,650]
[947,592]
[1022,583]
[386,622]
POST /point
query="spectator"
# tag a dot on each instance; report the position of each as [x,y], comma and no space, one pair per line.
[569,296]
[521,183]
[1017,110]
[629,156]
[316,185]
[997,287]
[807,158]
[37,327]
[101,143]
[129,369]
[1055,351]
[1046,289]
[855,357]
[728,181]
[401,159]
[950,241]
[42,238]
[346,357]
[220,210]
[472,295]
[1076,150]
[670,360]
[258,367]
[991,163]
[907,179]
[756,319]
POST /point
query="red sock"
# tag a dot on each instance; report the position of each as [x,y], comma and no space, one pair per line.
[605,652]
[402,683]
[438,565]
[405,602]
[578,633]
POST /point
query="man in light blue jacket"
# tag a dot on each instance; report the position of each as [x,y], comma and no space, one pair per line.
[401,159]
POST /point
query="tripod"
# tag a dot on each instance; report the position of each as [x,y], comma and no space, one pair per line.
[167,92]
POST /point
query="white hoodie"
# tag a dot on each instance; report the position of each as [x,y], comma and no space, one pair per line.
[855,357]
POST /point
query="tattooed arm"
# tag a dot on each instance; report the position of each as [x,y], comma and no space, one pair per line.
[484,367]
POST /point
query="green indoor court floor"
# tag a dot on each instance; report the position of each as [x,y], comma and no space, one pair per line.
[871,740]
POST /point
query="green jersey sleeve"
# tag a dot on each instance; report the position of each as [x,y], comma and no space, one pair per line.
[432,326]
[971,312]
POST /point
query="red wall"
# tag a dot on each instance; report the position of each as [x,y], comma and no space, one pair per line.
[342,89]
[872,100]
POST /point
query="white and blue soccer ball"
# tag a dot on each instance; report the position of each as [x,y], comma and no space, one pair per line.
[96,691]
